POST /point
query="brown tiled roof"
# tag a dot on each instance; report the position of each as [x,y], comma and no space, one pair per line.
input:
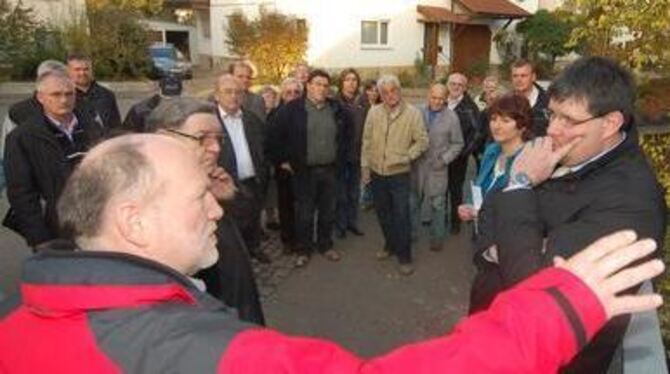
[440,15]
[494,8]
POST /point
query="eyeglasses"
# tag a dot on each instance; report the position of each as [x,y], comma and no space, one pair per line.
[552,116]
[201,139]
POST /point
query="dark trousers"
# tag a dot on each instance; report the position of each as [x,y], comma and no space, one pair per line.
[457,170]
[231,279]
[314,189]
[245,210]
[348,196]
[391,198]
[285,205]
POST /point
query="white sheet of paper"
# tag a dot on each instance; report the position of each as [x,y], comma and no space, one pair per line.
[476,196]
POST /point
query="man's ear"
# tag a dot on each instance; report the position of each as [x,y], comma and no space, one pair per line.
[131,223]
[40,97]
[613,121]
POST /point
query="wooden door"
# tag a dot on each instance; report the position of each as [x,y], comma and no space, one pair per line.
[431,35]
[472,44]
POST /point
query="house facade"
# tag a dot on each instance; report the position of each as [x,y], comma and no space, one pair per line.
[365,34]
[372,34]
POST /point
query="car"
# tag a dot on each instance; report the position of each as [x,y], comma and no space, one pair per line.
[168,60]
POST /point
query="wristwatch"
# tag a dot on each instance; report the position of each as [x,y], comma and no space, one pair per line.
[521,180]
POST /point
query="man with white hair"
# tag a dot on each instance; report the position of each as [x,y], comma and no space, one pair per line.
[460,102]
[22,111]
[41,153]
[243,156]
[141,210]
[394,135]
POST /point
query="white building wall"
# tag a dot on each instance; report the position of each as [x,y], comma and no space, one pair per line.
[56,12]
[335,31]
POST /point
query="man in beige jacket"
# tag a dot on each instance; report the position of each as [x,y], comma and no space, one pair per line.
[393,137]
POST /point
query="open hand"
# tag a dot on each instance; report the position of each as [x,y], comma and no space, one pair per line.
[604,267]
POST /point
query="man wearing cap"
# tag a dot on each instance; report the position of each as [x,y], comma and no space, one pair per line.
[169,86]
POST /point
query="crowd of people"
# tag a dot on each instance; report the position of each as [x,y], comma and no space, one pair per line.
[186,209]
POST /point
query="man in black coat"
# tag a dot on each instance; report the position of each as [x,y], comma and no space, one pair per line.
[40,154]
[313,140]
[243,157]
[88,90]
[603,184]
[231,279]
[467,111]
[170,86]
[524,82]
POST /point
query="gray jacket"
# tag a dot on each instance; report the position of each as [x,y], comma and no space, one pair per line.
[429,172]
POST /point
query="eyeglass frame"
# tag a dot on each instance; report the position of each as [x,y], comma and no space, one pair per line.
[548,114]
[200,139]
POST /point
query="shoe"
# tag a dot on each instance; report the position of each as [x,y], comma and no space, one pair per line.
[301,261]
[274,226]
[354,230]
[332,255]
[261,257]
[340,233]
[436,247]
[405,269]
[383,254]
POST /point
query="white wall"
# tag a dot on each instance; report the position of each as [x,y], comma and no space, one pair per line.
[55,11]
[335,31]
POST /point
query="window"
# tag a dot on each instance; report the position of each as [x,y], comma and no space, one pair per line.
[375,33]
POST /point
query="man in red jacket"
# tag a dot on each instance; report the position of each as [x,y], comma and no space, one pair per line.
[140,209]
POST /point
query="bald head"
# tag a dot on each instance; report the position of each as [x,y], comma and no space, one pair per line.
[146,195]
[437,97]
[120,167]
[456,85]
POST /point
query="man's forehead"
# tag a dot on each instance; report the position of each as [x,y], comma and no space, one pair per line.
[569,105]
[522,70]
[457,78]
[57,82]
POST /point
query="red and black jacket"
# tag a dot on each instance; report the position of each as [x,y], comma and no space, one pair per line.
[107,313]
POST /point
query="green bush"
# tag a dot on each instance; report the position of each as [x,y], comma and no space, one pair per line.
[275,42]
[113,37]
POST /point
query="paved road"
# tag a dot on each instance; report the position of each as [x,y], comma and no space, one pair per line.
[363,303]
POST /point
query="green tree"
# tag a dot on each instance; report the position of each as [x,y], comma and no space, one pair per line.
[546,35]
[634,32]
[18,28]
[118,42]
[273,41]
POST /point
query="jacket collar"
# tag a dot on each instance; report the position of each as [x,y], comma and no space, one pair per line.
[59,282]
